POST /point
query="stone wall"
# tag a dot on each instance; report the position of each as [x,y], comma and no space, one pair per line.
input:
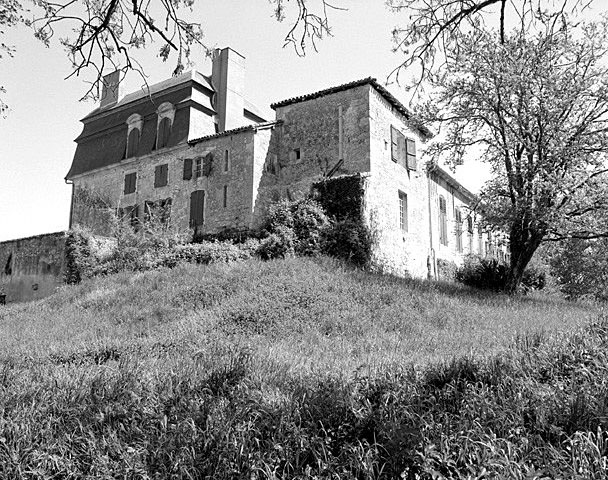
[32,268]
[245,164]
[396,251]
[307,143]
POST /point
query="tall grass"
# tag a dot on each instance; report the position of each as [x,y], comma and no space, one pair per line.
[298,368]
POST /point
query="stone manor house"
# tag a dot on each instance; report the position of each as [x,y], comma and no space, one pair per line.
[196,147]
[194,150]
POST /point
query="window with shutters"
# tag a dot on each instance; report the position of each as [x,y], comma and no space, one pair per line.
[458,221]
[443,221]
[198,167]
[130,183]
[480,241]
[134,126]
[225,196]
[397,146]
[165,117]
[197,209]
[187,168]
[207,165]
[403,211]
[161,175]
[130,214]
[226,160]
[158,212]
[410,153]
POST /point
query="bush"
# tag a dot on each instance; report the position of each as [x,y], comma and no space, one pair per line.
[446,270]
[491,274]
[279,244]
[294,227]
[207,252]
[350,240]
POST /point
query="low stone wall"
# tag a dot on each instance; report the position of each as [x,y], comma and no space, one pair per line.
[32,268]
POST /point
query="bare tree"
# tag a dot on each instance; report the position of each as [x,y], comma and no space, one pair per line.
[105,34]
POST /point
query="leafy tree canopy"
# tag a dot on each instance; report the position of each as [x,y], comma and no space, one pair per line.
[534,105]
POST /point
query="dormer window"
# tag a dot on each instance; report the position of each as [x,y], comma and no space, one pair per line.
[166,114]
[134,126]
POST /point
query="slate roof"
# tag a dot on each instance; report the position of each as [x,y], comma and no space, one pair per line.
[155,88]
[388,96]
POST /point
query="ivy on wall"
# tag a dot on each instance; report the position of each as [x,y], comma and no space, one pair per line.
[341,197]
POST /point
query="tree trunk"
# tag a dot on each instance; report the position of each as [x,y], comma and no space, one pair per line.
[523,243]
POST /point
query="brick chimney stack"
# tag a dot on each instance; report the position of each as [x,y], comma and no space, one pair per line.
[111,89]
[228,80]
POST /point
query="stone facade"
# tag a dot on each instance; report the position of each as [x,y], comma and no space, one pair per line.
[31,268]
[418,215]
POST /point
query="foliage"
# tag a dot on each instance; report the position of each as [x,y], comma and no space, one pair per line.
[446,270]
[294,227]
[278,244]
[298,369]
[490,273]
[581,268]
[341,197]
[350,240]
[536,108]
[436,27]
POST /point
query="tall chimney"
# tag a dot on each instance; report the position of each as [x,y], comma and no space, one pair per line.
[228,80]
[111,89]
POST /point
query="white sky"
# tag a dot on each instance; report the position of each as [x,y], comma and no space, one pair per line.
[37,138]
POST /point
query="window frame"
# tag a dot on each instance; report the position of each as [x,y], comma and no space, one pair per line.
[158,175]
[403,212]
[443,221]
[130,183]
[165,114]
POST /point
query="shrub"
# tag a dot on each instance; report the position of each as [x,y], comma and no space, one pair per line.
[294,227]
[309,222]
[350,240]
[207,252]
[446,270]
[279,244]
[491,274]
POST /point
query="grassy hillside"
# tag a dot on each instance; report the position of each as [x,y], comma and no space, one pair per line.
[286,368]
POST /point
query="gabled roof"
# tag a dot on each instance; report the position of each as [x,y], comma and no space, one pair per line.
[388,96]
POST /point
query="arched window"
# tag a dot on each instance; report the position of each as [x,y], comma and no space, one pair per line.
[166,114]
[134,127]
[133,143]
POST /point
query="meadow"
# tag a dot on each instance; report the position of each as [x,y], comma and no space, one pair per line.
[298,368]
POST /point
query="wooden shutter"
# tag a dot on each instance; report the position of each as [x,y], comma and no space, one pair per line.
[443,237]
[197,208]
[207,164]
[160,175]
[133,143]
[410,153]
[394,144]
[130,183]
[187,168]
